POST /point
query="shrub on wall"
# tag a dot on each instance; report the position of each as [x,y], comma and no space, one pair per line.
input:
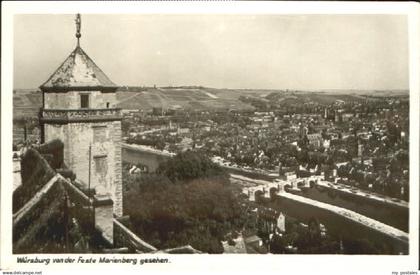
[56,149]
[35,173]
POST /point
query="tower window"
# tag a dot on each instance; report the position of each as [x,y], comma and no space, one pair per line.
[107,104]
[100,164]
[84,101]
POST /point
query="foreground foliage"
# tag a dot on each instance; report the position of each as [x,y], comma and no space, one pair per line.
[189,201]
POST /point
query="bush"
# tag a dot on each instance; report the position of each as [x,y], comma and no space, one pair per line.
[189,165]
[35,173]
[56,149]
[191,207]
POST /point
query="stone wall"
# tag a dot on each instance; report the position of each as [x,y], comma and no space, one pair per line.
[105,160]
[123,237]
[30,221]
[104,218]
[43,199]
[71,100]
[118,193]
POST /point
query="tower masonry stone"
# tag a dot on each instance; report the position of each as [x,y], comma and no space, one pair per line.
[79,108]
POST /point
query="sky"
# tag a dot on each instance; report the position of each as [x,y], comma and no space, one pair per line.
[301,52]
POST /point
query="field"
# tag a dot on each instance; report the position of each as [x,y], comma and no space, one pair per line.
[187,98]
[26,103]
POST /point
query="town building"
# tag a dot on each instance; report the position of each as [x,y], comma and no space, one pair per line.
[315,139]
[281,222]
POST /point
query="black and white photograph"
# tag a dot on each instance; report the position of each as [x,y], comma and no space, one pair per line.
[211,134]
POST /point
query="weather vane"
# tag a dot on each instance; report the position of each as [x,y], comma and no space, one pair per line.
[78,26]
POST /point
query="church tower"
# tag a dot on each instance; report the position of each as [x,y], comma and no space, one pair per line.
[79,109]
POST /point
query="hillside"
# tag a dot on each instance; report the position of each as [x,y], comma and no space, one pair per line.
[26,103]
[187,98]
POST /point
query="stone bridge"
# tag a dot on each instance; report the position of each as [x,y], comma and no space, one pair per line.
[268,188]
[138,154]
[151,158]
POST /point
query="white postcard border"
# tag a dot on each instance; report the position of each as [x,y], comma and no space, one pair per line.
[218,263]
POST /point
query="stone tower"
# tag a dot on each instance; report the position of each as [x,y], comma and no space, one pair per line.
[79,108]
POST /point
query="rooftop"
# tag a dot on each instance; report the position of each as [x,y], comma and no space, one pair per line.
[78,71]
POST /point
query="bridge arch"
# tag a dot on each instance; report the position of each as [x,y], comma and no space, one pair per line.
[135,154]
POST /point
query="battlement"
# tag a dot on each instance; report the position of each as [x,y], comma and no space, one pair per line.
[46,201]
[80,115]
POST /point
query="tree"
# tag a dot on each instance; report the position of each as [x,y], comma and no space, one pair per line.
[277,244]
[190,202]
[359,246]
[190,165]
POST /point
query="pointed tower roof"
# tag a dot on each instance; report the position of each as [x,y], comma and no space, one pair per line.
[78,72]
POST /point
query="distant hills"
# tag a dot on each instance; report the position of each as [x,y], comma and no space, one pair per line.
[26,102]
